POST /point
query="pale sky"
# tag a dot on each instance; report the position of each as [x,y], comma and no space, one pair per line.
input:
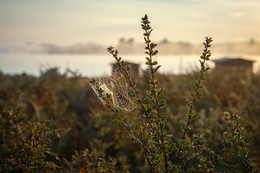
[67,22]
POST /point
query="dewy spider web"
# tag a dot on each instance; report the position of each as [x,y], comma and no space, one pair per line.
[116,86]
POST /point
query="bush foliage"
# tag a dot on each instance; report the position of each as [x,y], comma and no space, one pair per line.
[55,122]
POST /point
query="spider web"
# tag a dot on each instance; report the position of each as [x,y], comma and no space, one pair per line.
[116,86]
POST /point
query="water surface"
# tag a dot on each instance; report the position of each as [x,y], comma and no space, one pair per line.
[96,65]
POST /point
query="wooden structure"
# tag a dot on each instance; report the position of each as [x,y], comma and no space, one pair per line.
[134,71]
[234,64]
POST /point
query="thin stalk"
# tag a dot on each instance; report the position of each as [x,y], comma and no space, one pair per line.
[205,56]
[148,44]
[115,55]
[130,133]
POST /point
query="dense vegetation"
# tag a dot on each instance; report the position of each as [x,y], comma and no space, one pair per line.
[55,122]
[70,105]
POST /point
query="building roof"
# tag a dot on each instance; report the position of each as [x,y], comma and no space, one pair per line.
[226,59]
[130,63]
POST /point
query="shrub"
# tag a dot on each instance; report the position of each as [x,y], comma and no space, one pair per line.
[25,145]
[151,133]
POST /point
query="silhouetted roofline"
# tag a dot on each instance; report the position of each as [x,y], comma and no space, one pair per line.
[226,59]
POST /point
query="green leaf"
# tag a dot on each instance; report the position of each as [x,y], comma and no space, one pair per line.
[194,116]
[153,92]
[206,69]
[147,53]
[157,68]
[160,91]
[203,78]
[135,134]
[118,64]
[207,56]
[131,126]
[184,125]
[155,63]
[146,34]
[138,91]
[153,112]
[153,45]
[196,83]
[181,142]
[155,52]
[146,100]
[140,111]
[138,101]
[189,103]
[124,118]
[116,121]
[198,95]
[162,103]
[149,93]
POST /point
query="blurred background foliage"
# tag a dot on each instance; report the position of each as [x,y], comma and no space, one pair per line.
[56,122]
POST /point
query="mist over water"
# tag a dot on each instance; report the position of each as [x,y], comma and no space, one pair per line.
[91,65]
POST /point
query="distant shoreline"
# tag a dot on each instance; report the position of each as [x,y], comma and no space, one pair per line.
[180,48]
[131,48]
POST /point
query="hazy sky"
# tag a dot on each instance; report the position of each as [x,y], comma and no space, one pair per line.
[105,21]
